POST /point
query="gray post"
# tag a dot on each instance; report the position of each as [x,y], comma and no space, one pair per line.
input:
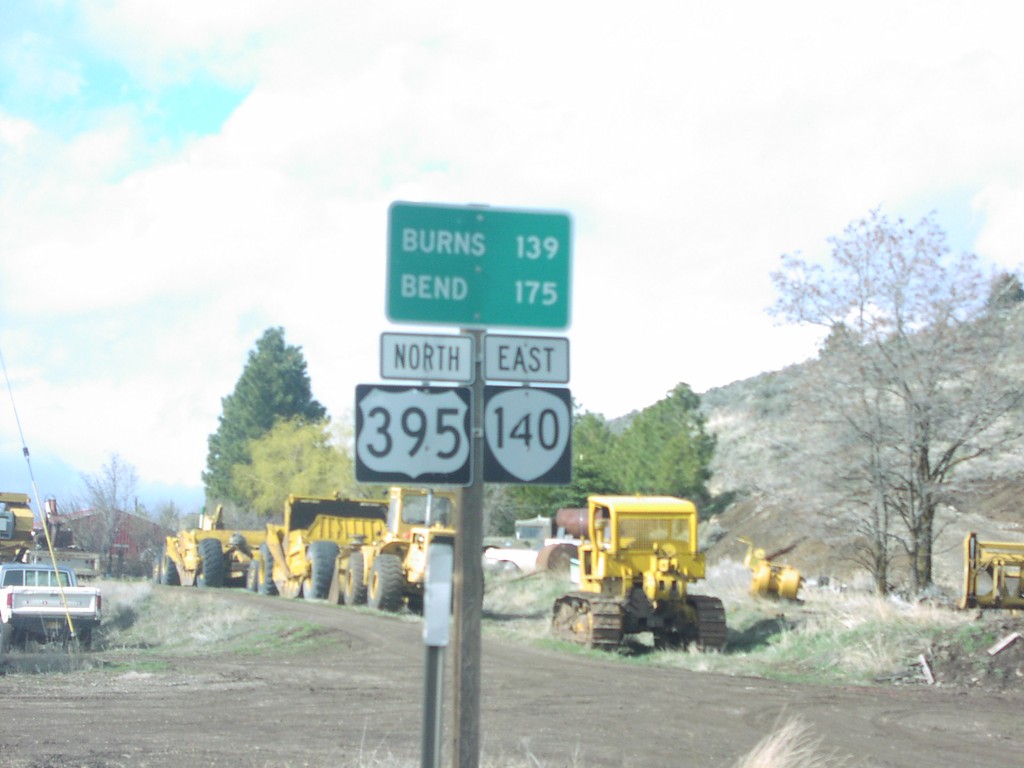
[433,688]
[469,585]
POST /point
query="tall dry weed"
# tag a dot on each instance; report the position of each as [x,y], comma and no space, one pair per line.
[791,746]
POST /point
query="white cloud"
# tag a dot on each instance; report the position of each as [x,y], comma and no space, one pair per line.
[693,145]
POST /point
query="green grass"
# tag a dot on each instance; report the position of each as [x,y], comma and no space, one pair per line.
[185,622]
[828,638]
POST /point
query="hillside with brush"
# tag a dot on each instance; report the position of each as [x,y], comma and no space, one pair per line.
[767,490]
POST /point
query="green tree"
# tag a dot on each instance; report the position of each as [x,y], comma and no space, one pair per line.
[666,449]
[915,379]
[274,385]
[592,473]
[293,457]
[1005,292]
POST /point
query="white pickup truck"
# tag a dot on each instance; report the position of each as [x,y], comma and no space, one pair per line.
[36,602]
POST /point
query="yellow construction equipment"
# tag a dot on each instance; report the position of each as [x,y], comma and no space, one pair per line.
[22,542]
[769,578]
[300,556]
[993,574]
[16,521]
[389,571]
[207,556]
[638,560]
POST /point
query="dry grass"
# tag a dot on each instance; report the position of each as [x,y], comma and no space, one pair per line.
[137,616]
[791,745]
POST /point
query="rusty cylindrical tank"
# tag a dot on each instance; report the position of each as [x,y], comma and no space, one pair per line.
[573,520]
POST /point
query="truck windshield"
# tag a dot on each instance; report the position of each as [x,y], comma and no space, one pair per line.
[35,578]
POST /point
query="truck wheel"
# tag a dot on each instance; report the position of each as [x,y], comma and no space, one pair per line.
[355,580]
[6,637]
[323,566]
[385,592]
[267,585]
[212,555]
[169,573]
[85,638]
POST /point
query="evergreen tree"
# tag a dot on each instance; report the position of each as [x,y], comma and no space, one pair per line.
[592,473]
[666,450]
[1005,292]
[274,385]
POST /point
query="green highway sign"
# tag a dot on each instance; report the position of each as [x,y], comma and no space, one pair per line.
[477,266]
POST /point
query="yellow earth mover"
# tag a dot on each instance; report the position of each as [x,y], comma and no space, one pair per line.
[769,578]
[207,556]
[390,571]
[16,521]
[638,559]
[301,556]
[21,542]
[993,574]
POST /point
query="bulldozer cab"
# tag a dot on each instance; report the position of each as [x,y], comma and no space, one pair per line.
[417,508]
[630,536]
[642,524]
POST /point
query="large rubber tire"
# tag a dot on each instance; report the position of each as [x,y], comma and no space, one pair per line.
[355,580]
[6,638]
[214,565]
[385,591]
[169,576]
[323,567]
[267,585]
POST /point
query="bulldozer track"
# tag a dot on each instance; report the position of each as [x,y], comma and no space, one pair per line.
[711,626]
[589,620]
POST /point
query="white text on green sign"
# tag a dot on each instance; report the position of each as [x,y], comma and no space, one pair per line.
[477,266]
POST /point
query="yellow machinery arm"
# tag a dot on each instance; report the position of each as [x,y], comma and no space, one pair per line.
[993,573]
[770,579]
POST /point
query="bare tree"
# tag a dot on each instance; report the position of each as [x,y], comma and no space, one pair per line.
[917,377]
[110,496]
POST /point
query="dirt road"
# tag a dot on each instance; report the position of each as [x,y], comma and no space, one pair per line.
[355,699]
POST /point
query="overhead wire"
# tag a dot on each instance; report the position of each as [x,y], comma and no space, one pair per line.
[35,492]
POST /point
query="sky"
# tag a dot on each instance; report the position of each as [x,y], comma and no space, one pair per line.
[175,178]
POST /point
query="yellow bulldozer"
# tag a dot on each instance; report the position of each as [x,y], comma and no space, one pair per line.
[389,571]
[770,579]
[300,557]
[207,556]
[636,564]
[993,574]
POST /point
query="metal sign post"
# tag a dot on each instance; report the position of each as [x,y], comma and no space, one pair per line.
[437,600]
[475,267]
[469,590]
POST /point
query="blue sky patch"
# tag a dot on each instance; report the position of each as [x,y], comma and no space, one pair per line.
[55,77]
